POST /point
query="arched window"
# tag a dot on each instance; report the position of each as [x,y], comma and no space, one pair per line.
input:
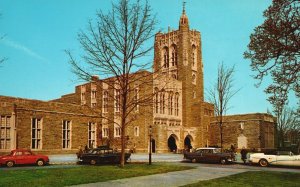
[174,55]
[136,131]
[166,57]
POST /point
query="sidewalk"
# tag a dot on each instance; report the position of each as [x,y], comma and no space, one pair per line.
[136,157]
[178,178]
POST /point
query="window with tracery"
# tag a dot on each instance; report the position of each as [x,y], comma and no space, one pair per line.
[166,57]
[174,56]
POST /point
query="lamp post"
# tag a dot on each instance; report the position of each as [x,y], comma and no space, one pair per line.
[150,143]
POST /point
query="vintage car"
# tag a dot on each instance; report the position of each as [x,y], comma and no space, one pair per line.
[102,155]
[23,156]
[285,158]
[209,154]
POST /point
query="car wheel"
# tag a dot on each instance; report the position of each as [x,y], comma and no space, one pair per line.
[10,164]
[40,162]
[93,162]
[223,161]
[263,163]
[194,160]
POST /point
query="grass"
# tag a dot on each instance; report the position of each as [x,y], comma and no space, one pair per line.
[80,175]
[254,178]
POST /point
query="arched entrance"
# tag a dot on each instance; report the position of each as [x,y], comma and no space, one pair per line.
[188,143]
[153,145]
[172,143]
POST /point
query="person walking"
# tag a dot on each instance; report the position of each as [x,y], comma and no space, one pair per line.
[244,155]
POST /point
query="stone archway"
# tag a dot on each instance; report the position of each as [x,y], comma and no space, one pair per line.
[172,143]
[188,143]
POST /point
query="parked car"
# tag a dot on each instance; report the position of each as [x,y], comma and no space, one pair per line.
[102,155]
[23,156]
[285,158]
[209,154]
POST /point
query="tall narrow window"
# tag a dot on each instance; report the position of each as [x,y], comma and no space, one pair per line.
[136,99]
[92,135]
[166,57]
[176,103]
[93,98]
[162,102]
[174,56]
[105,132]
[156,100]
[5,128]
[171,104]
[66,134]
[82,95]
[105,101]
[136,131]
[117,131]
[36,133]
[117,100]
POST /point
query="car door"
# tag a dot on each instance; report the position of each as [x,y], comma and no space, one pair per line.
[284,159]
[19,158]
[29,158]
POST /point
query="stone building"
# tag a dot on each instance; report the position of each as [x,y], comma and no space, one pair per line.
[177,113]
[245,130]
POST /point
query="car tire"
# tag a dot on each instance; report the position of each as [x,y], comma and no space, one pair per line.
[194,160]
[223,161]
[10,164]
[263,163]
[40,162]
[93,162]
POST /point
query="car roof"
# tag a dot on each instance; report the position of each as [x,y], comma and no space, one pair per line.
[207,148]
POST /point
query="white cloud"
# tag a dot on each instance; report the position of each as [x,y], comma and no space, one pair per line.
[23,48]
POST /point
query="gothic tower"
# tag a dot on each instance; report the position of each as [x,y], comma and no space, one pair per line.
[178,56]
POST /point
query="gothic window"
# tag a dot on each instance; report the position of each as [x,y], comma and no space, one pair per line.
[162,102]
[170,103]
[66,135]
[92,135]
[117,131]
[176,104]
[5,129]
[105,132]
[174,56]
[105,101]
[166,57]
[36,133]
[156,100]
[117,100]
[82,95]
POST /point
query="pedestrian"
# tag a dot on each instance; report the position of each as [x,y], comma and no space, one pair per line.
[244,155]
[80,152]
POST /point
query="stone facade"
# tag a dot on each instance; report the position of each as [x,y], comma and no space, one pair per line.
[176,110]
[247,130]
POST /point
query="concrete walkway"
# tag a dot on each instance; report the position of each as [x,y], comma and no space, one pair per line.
[178,178]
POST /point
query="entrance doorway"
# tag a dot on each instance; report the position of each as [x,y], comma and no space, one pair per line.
[187,143]
[153,145]
[172,143]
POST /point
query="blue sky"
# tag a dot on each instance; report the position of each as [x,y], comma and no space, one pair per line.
[38,31]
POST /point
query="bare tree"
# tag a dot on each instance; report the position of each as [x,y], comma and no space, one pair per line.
[274,49]
[111,48]
[1,37]
[221,93]
[288,123]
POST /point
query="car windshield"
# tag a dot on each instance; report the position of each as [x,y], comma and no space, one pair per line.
[11,153]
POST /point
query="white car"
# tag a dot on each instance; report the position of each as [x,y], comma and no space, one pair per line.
[285,158]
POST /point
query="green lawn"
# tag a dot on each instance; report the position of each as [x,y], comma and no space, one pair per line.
[80,175]
[254,178]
